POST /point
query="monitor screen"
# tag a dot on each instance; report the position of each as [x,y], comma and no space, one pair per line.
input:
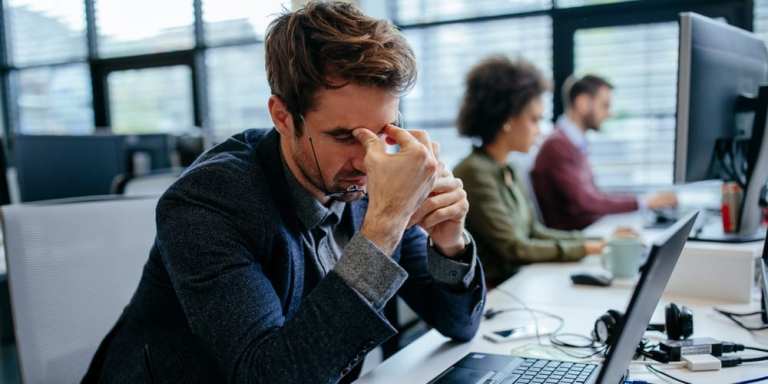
[717,64]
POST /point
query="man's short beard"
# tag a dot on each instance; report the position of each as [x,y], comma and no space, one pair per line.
[591,122]
[312,174]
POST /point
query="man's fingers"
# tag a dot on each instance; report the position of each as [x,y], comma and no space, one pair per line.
[367,138]
[401,137]
[422,137]
[437,202]
[446,191]
[445,184]
[454,211]
[418,215]
[436,149]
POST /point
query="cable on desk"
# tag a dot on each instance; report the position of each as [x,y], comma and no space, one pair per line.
[764,378]
[554,340]
[734,317]
[756,349]
[533,314]
[662,375]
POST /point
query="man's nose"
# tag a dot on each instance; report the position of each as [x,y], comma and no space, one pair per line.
[358,158]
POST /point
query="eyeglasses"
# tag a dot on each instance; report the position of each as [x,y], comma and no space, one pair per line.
[400,122]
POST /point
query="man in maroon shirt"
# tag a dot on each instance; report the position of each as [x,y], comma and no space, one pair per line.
[562,176]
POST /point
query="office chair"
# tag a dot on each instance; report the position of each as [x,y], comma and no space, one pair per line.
[72,268]
[151,184]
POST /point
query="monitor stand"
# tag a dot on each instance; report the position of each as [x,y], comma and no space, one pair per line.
[764,287]
[764,309]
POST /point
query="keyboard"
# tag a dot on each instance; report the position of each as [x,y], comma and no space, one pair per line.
[537,371]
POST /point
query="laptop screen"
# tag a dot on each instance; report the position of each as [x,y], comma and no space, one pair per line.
[658,269]
[764,280]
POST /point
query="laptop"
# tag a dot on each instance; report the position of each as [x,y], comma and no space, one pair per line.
[485,368]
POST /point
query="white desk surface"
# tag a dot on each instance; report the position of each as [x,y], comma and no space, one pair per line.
[547,287]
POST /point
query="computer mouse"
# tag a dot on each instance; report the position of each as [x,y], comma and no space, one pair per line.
[595,279]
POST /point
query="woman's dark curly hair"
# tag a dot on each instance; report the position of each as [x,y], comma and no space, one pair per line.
[497,90]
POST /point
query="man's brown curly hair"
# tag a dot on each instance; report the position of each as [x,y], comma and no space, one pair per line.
[330,44]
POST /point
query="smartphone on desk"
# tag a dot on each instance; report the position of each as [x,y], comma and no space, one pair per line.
[517,333]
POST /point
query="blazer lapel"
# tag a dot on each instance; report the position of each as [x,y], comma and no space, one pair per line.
[268,151]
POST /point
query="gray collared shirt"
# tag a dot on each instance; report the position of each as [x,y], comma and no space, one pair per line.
[331,243]
[573,133]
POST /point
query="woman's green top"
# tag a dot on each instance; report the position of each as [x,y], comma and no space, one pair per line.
[502,221]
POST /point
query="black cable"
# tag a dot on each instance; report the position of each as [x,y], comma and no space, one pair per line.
[582,357]
[559,344]
[659,372]
[591,343]
[754,359]
[737,314]
[756,349]
[739,163]
[724,158]
[734,317]
[752,380]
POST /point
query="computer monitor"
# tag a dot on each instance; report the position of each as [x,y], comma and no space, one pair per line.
[61,166]
[721,114]
[157,148]
[764,282]
[5,195]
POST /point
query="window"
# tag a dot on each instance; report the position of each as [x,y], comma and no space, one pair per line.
[445,54]
[419,11]
[636,146]
[761,18]
[238,89]
[143,26]
[45,31]
[151,100]
[234,20]
[580,3]
[54,99]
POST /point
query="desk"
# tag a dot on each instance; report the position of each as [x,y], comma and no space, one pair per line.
[547,287]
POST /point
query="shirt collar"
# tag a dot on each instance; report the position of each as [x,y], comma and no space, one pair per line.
[310,211]
[500,168]
[573,132]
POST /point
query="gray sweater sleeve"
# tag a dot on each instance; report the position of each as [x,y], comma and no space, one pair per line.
[459,271]
[369,271]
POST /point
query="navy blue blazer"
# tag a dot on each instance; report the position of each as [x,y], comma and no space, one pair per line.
[223,296]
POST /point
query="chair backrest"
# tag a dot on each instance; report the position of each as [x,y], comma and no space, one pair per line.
[523,162]
[153,184]
[72,268]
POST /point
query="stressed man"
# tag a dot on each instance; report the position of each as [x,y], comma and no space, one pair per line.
[278,249]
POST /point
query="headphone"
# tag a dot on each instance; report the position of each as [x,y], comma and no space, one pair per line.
[678,324]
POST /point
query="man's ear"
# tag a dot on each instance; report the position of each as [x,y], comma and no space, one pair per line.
[281,117]
[582,103]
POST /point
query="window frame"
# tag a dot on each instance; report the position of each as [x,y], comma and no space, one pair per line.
[567,21]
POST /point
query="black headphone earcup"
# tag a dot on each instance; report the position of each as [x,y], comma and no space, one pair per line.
[686,322]
[671,320]
[679,322]
[607,326]
[618,317]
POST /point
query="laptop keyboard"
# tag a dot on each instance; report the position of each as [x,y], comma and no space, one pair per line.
[537,371]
